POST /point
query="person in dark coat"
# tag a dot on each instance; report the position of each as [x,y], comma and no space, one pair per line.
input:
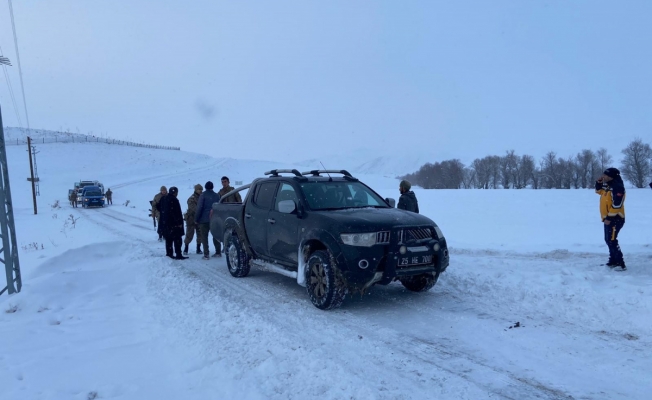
[202,217]
[408,200]
[109,196]
[73,198]
[171,223]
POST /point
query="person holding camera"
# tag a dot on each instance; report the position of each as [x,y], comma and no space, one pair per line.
[611,189]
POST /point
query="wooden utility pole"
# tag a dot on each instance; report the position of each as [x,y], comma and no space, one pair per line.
[31,171]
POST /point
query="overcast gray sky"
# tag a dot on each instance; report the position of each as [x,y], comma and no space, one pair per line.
[292,80]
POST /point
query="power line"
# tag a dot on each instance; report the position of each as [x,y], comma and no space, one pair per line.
[11,91]
[20,70]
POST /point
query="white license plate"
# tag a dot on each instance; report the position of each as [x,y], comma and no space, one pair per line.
[414,260]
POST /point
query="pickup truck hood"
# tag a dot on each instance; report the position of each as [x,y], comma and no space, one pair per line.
[373,219]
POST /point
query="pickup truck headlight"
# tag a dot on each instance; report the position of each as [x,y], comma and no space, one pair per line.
[103,198]
[440,234]
[359,239]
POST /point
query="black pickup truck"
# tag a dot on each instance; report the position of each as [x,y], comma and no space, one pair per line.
[334,234]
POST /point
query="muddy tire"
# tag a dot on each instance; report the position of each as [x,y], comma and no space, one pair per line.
[420,283]
[237,259]
[323,283]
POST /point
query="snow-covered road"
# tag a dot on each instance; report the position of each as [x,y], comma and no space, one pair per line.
[500,323]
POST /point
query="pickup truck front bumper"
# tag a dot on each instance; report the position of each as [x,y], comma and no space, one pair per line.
[381,264]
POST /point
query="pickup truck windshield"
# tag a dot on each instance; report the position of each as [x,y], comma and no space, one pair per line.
[324,195]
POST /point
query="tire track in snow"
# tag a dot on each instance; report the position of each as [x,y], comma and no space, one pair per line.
[255,294]
[479,373]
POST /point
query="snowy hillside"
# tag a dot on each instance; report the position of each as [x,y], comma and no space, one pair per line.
[12,134]
[103,314]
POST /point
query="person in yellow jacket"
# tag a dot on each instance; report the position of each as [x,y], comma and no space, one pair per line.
[611,189]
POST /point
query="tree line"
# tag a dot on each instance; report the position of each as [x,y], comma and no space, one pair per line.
[513,171]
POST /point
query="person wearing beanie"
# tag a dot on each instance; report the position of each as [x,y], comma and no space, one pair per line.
[156,212]
[171,224]
[191,226]
[202,218]
[611,189]
[408,200]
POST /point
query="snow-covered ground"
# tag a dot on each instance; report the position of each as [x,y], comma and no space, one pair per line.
[103,314]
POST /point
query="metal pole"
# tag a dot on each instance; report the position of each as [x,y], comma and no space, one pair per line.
[9,251]
[31,171]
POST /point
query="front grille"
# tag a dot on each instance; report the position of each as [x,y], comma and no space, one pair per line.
[414,234]
[382,237]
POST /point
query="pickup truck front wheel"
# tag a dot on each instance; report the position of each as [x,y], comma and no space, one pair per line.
[237,259]
[325,288]
[420,283]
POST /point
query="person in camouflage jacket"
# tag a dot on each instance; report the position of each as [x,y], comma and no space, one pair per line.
[192,227]
[157,212]
[226,188]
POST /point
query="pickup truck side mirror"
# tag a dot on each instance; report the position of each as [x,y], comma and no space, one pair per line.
[391,202]
[287,206]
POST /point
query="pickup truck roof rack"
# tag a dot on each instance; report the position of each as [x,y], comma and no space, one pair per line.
[317,172]
[275,172]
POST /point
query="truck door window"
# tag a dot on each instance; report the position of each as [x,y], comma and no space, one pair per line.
[285,192]
[265,195]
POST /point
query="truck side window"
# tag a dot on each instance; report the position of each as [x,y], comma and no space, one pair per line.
[286,192]
[265,195]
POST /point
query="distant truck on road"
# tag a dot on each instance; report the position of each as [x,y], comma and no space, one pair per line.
[334,234]
[82,184]
[92,196]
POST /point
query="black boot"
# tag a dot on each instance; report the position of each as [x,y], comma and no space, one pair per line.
[199,249]
[185,250]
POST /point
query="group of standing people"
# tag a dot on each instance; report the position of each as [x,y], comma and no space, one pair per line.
[167,210]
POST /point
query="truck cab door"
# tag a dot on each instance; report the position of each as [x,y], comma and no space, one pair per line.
[283,226]
[256,215]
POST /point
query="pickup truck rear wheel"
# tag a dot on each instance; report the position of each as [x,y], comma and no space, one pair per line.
[420,283]
[325,288]
[237,259]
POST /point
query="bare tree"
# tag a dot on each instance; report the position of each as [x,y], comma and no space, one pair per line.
[587,166]
[603,158]
[527,169]
[494,167]
[509,169]
[550,171]
[469,178]
[636,163]
[482,169]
